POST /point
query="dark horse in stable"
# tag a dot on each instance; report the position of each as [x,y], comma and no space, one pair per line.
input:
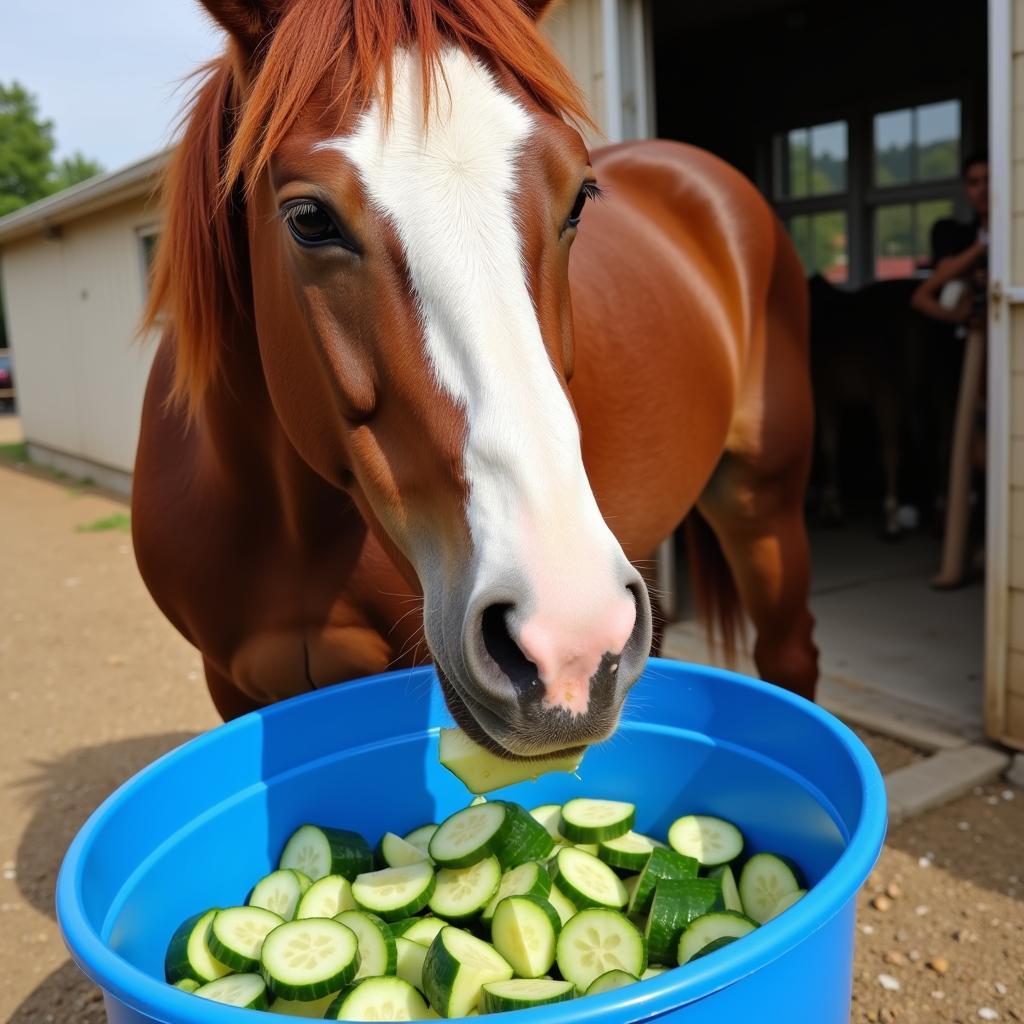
[389,400]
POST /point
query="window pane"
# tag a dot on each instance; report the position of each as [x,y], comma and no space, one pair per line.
[797,153]
[938,141]
[903,236]
[893,147]
[828,158]
[820,241]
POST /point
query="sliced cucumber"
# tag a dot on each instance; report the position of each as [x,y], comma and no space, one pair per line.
[248,991]
[418,929]
[477,800]
[521,994]
[628,853]
[676,903]
[713,946]
[188,952]
[317,851]
[730,894]
[187,985]
[378,953]
[236,936]
[395,852]
[526,839]
[279,892]
[524,931]
[661,864]
[309,959]
[313,1009]
[764,881]
[587,881]
[564,907]
[550,816]
[711,840]
[784,904]
[462,893]
[420,837]
[590,848]
[597,941]
[326,897]
[596,821]
[455,970]
[610,981]
[409,966]
[652,972]
[529,879]
[394,893]
[481,771]
[379,999]
[470,835]
[726,924]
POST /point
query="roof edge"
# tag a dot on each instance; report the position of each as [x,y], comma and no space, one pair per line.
[86,197]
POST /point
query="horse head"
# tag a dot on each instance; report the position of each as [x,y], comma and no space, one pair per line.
[411,189]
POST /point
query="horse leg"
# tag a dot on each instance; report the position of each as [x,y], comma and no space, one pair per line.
[759,523]
[888,413]
[229,701]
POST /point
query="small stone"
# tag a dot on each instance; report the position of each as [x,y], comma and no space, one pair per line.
[964,826]
[872,1015]
[914,956]
[882,903]
[987,1013]
[887,1016]
[959,935]
[992,801]
[939,964]
[893,891]
[902,935]
[938,994]
[924,862]
[895,957]
[867,929]
[1000,988]
[10,874]
[921,910]
[1007,794]
[889,983]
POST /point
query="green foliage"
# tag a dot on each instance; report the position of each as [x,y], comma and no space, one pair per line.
[28,170]
[17,452]
[117,521]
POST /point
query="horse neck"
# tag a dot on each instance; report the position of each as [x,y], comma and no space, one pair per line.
[248,449]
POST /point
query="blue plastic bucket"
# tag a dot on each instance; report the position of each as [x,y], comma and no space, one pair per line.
[198,827]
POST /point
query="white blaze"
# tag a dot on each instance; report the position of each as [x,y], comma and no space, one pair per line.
[447,188]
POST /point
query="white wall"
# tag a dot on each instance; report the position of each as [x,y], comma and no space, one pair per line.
[72,304]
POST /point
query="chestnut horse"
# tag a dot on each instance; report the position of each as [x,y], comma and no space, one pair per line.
[382,375]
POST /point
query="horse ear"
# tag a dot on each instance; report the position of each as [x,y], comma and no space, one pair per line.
[248,22]
[537,8]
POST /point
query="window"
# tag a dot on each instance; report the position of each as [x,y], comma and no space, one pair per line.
[860,196]
[148,238]
[917,144]
[811,173]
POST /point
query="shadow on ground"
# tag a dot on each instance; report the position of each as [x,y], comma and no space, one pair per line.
[65,996]
[63,793]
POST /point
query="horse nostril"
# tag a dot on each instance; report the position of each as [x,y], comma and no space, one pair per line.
[505,652]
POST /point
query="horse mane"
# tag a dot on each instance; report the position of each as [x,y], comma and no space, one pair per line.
[242,109]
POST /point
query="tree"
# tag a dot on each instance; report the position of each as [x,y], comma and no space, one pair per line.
[28,170]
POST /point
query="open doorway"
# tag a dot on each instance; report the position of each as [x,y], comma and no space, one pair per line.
[854,119]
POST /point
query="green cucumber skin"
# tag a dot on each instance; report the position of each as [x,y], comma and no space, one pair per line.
[587,834]
[676,903]
[228,957]
[468,916]
[526,838]
[541,887]
[662,864]
[630,863]
[620,980]
[498,1004]
[490,848]
[712,946]
[350,853]
[387,937]
[406,911]
[176,962]
[440,972]
[311,992]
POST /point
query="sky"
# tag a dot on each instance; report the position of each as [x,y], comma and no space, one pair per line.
[108,73]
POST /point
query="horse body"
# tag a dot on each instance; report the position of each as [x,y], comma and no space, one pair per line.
[377,429]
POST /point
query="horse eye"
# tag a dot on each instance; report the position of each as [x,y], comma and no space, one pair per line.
[311,224]
[589,190]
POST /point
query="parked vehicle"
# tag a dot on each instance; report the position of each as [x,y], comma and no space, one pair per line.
[6,380]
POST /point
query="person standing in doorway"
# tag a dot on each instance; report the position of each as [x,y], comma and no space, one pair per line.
[955,293]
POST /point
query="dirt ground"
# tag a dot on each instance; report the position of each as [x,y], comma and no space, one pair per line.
[94,684]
